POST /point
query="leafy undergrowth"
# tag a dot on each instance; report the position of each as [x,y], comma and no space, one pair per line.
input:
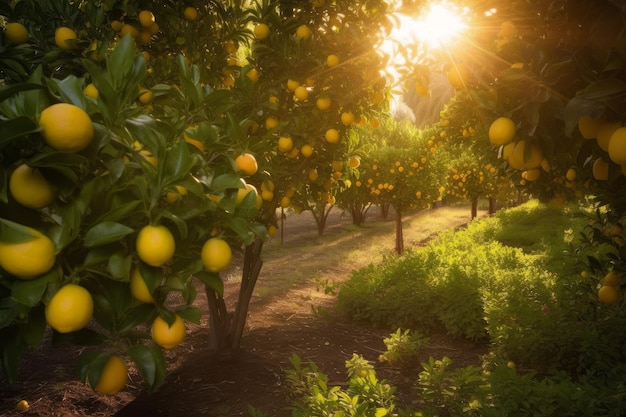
[513,280]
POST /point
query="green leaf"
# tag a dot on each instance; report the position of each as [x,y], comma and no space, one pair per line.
[381,412]
[120,212]
[16,128]
[105,233]
[12,349]
[33,331]
[29,292]
[152,276]
[151,364]
[178,161]
[134,317]
[90,367]
[190,313]
[70,89]
[11,232]
[82,337]
[211,280]
[226,182]
[12,89]
[120,264]
[99,255]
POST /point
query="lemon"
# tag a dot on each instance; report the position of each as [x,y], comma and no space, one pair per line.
[166,336]
[30,258]
[347,118]
[146,18]
[190,14]
[600,169]
[30,188]
[604,133]
[253,75]
[332,136]
[113,377]
[271,122]
[66,127]
[292,85]
[70,309]
[301,93]
[332,60]
[588,127]
[261,31]
[16,33]
[303,32]
[90,90]
[155,245]
[65,38]
[216,254]
[617,146]
[139,289]
[306,150]
[457,76]
[285,144]
[129,30]
[323,103]
[501,131]
[22,406]
[247,164]
[612,279]
[146,96]
[607,294]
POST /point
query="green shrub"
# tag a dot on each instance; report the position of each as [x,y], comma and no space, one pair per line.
[403,347]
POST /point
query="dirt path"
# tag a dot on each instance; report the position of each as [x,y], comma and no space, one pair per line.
[292,312]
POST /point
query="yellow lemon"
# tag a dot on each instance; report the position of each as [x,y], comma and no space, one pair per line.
[155,245]
[216,254]
[65,38]
[30,188]
[190,14]
[113,377]
[247,164]
[166,336]
[16,33]
[138,287]
[66,127]
[261,31]
[501,131]
[69,309]
[332,136]
[617,146]
[30,258]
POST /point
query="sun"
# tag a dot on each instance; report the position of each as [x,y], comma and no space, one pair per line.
[440,25]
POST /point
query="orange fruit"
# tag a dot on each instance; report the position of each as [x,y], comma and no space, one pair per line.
[166,336]
[285,144]
[292,85]
[190,14]
[588,127]
[146,18]
[253,75]
[612,279]
[306,150]
[323,103]
[216,254]
[600,169]
[332,136]
[604,133]
[66,127]
[246,163]
[347,118]
[90,90]
[301,93]
[458,76]
[69,309]
[608,294]
[332,60]
[617,146]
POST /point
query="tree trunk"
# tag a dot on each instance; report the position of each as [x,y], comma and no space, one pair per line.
[492,205]
[399,235]
[474,208]
[320,214]
[226,329]
[384,210]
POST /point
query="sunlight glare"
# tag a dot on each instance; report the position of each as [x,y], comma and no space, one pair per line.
[440,25]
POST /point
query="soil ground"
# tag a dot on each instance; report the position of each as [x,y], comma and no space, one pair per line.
[292,311]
